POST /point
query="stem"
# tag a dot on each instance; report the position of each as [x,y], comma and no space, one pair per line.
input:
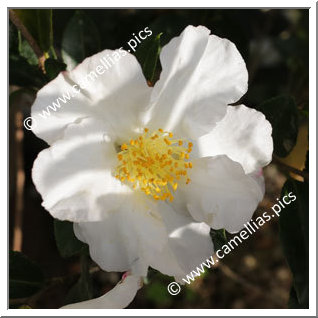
[53,52]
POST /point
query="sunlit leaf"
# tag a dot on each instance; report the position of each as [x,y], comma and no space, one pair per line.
[26,51]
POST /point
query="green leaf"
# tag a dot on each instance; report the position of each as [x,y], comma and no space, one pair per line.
[293,301]
[282,113]
[148,54]
[80,39]
[26,51]
[39,23]
[66,241]
[294,235]
[25,277]
[45,28]
[83,288]
[157,293]
[53,68]
[25,307]
[218,237]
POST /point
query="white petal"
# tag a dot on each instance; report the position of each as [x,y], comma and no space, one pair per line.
[116,96]
[189,244]
[119,297]
[128,239]
[74,175]
[220,193]
[201,74]
[244,135]
[137,236]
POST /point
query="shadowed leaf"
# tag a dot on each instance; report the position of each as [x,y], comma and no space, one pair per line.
[25,277]
[80,39]
[219,238]
[294,229]
[281,112]
[148,54]
[53,68]
[66,241]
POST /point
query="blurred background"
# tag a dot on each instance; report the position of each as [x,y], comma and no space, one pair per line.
[50,268]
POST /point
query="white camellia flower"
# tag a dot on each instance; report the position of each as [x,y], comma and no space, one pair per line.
[144,172]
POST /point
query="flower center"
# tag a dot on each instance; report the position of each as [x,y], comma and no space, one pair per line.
[154,163]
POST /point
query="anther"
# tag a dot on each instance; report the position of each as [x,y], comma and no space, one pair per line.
[124,147]
[154,163]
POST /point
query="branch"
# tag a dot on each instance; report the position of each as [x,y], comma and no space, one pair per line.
[20,26]
[288,168]
[52,282]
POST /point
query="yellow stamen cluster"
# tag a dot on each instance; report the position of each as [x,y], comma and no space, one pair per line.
[154,162]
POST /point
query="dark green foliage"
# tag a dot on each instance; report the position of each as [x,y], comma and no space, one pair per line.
[219,238]
[66,241]
[282,113]
[82,289]
[294,234]
[53,68]
[80,39]
[25,277]
[23,74]
[39,24]
[148,55]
